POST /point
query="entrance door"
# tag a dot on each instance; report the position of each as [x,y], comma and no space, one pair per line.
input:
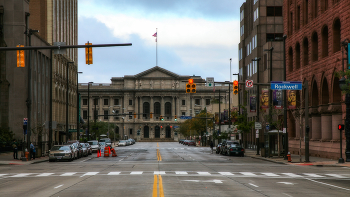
[146,132]
[167,132]
[157,132]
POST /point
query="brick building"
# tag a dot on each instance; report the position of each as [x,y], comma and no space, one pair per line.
[315,31]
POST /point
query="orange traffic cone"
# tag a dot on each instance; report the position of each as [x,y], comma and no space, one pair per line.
[98,155]
[109,149]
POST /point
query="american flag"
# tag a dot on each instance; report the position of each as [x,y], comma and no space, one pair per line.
[155,34]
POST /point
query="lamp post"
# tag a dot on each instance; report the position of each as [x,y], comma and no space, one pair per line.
[230,70]
[78,117]
[67,93]
[88,129]
[342,85]
[257,103]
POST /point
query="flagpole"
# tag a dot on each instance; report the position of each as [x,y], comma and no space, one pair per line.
[157,47]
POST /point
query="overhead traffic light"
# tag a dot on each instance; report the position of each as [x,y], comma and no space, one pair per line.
[235,87]
[190,86]
[88,54]
[20,57]
[175,118]
[134,115]
[161,118]
[151,115]
[340,127]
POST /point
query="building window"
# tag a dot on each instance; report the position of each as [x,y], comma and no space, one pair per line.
[336,35]
[305,52]
[297,56]
[183,102]
[157,108]
[130,102]
[272,36]
[167,109]
[274,11]
[306,12]
[290,57]
[291,23]
[85,102]
[256,14]
[314,43]
[84,114]
[207,101]
[325,42]
[242,30]
[297,21]
[315,9]
[116,117]
[95,101]
[116,101]
[242,15]
[105,101]
[130,131]
[197,101]
[146,109]
[105,112]
[183,113]
[265,61]
[130,115]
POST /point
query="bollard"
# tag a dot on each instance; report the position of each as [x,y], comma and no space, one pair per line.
[289,157]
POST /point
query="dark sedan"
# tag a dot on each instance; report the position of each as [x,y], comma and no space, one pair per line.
[235,149]
[191,143]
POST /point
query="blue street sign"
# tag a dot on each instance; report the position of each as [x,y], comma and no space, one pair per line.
[267,127]
[185,117]
[286,85]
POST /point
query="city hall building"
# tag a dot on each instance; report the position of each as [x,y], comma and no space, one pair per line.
[150,94]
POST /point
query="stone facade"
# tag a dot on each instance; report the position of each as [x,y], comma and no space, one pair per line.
[315,31]
[155,91]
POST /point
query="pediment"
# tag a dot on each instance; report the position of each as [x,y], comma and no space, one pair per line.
[156,72]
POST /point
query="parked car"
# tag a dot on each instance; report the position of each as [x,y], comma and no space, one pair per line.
[61,152]
[128,143]
[102,145]
[122,143]
[181,141]
[85,150]
[77,149]
[107,140]
[89,148]
[95,146]
[225,145]
[186,142]
[191,143]
[235,149]
[132,141]
[218,148]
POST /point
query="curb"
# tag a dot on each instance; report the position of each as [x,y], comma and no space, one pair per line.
[262,158]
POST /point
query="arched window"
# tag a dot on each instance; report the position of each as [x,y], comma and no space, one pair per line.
[305,52]
[336,35]
[314,41]
[325,41]
[306,12]
[290,57]
[297,56]
[167,109]
[156,108]
[146,109]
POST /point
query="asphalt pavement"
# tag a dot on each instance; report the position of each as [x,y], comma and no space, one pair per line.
[7,159]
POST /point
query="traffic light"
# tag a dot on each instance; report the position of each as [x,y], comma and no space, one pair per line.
[190,86]
[151,115]
[161,118]
[235,87]
[193,88]
[340,127]
[88,54]
[138,132]
[134,115]
[20,57]
[175,118]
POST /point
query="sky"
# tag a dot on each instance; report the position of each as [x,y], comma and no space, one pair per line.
[194,37]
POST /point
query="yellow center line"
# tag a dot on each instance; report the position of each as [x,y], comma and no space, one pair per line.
[157,144]
[159,157]
[161,191]
[155,192]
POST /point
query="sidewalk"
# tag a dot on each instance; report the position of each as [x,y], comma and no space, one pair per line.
[314,161]
[7,159]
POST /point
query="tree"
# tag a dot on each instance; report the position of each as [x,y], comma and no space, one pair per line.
[242,122]
[196,125]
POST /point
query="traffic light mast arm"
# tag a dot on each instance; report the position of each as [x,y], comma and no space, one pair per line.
[62,46]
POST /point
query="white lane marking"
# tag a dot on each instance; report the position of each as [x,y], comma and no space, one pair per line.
[313,175]
[336,175]
[180,172]
[21,175]
[286,183]
[217,181]
[136,172]
[2,175]
[329,184]
[113,173]
[269,174]
[203,173]
[68,174]
[159,172]
[45,174]
[58,186]
[287,195]
[226,173]
[292,175]
[248,174]
[253,185]
[89,174]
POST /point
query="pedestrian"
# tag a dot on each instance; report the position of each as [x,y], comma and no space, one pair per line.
[14,146]
[211,146]
[32,150]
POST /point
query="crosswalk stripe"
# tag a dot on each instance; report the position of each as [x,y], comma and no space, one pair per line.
[269,174]
[45,174]
[68,174]
[313,175]
[2,175]
[203,173]
[248,174]
[292,175]
[113,173]
[90,174]
[159,172]
[21,175]
[336,175]
[226,173]
[180,172]
[136,172]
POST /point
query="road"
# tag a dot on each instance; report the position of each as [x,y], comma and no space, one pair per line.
[171,169]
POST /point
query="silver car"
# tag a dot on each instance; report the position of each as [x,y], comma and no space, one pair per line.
[85,149]
[94,145]
[61,152]
[122,143]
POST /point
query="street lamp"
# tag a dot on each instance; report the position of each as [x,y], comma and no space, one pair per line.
[257,59]
[67,74]
[88,129]
[230,70]
[270,95]
[78,119]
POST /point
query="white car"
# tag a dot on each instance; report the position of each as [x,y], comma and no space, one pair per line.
[122,143]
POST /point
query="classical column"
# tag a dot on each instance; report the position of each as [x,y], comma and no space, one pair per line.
[162,107]
[151,107]
[173,108]
[141,107]
[137,105]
